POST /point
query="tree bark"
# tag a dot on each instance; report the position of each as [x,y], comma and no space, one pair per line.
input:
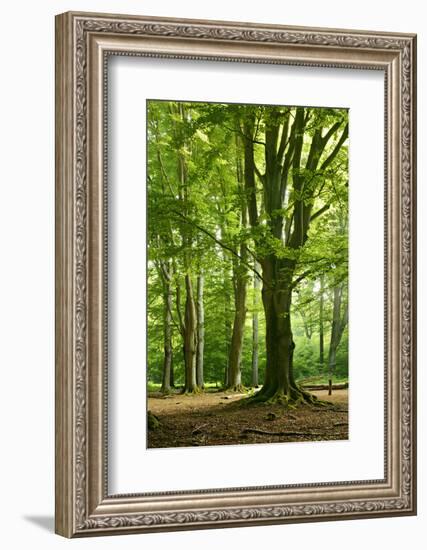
[321,328]
[190,338]
[172,376]
[189,325]
[227,319]
[200,332]
[227,327]
[338,325]
[240,273]
[255,331]
[279,384]
[308,329]
[167,337]
[236,346]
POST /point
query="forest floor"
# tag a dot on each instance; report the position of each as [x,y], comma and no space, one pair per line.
[218,418]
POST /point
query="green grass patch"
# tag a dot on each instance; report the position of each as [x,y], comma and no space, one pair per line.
[153,387]
[323,379]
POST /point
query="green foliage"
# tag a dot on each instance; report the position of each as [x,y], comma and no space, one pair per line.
[197,223]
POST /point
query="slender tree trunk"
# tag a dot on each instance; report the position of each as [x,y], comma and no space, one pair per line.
[240,272]
[321,330]
[336,319]
[236,347]
[190,338]
[307,325]
[189,323]
[167,337]
[227,319]
[181,326]
[227,329]
[172,376]
[255,330]
[200,332]
[338,325]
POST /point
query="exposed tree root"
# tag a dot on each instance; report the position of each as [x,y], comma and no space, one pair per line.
[332,407]
[294,398]
[266,432]
[194,391]
[239,388]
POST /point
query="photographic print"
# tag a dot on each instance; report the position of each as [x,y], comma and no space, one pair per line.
[206,224]
[247,273]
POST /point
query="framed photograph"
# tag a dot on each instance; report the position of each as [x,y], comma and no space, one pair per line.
[235,274]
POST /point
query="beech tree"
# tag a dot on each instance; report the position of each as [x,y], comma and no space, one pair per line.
[301,153]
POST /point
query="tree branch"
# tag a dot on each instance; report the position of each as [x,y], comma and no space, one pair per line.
[336,149]
[220,243]
[244,135]
[331,132]
[284,138]
[300,278]
[320,212]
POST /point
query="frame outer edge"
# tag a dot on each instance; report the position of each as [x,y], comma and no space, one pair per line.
[64,275]
[414,269]
[158,19]
[73,400]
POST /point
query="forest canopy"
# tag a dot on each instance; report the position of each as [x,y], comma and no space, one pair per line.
[247,247]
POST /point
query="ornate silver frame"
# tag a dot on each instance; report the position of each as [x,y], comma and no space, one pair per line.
[83,505]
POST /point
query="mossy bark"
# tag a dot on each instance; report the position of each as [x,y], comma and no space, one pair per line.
[279,384]
[200,333]
[190,339]
[167,338]
[255,331]
[235,357]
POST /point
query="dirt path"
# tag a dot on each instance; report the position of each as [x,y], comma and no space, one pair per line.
[218,419]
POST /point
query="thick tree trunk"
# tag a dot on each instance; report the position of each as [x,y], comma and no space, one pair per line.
[235,357]
[167,338]
[190,338]
[279,341]
[255,331]
[200,332]
[279,384]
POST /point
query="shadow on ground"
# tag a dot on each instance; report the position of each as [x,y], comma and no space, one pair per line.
[44,522]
